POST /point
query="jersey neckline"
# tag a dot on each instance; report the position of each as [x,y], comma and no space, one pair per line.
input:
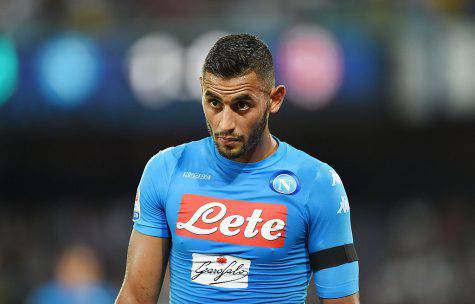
[240,166]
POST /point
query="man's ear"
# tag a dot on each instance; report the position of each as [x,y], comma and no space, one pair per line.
[277,96]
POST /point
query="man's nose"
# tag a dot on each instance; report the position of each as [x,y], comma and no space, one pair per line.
[227,122]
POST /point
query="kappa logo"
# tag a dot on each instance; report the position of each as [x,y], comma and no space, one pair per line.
[284,182]
[196,175]
[232,221]
[344,205]
[336,180]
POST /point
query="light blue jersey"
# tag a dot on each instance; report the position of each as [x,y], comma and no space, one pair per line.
[248,232]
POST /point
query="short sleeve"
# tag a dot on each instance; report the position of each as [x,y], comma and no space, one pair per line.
[329,233]
[149,208]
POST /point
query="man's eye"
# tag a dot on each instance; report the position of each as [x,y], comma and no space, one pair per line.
[242,105]
[214,103]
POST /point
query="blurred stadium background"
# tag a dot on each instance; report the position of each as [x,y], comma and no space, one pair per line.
[384,91]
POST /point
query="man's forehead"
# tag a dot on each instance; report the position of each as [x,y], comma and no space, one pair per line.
[247,82]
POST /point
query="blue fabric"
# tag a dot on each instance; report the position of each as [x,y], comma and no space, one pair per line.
[55,293]
[303,198]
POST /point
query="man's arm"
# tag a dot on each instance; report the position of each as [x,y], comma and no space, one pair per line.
[353,299]
[332,254]
[147,259]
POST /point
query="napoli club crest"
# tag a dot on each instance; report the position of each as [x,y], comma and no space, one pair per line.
[285,182]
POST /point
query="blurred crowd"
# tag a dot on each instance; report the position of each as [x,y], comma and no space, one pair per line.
[412,251]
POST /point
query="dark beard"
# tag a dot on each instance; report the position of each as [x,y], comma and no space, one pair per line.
[248,147]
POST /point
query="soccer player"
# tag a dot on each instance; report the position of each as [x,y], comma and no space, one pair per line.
[243,216]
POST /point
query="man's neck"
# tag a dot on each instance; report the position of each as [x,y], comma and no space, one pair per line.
[265,148]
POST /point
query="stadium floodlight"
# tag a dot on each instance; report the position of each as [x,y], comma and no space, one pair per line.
[310,63]
[68,69]
[8,70]
[155,67]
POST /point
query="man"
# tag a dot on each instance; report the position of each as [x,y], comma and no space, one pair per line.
[244,217]
[78,279]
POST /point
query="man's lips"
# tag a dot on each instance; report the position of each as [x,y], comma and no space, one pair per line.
[228,139]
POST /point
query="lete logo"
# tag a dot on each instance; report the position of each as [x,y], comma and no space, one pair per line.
[232,221]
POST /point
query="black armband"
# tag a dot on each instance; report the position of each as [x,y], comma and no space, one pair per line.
[333,257]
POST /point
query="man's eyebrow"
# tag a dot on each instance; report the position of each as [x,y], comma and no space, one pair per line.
[243,97]
[212,95]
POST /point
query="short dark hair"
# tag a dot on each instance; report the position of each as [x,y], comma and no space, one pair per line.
[239,54]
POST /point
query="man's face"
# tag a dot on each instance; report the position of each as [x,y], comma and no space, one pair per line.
[236,112]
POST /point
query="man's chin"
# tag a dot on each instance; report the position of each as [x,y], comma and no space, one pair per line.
[231,153]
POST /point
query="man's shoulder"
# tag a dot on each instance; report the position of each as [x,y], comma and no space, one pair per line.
[171,155]
[302,158]
[313,167]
